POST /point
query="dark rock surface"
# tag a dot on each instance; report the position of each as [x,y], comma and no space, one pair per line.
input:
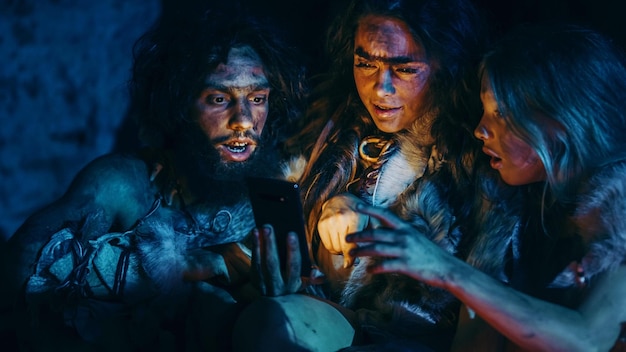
[63,74]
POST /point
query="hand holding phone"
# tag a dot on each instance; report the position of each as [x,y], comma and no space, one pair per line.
[277,202]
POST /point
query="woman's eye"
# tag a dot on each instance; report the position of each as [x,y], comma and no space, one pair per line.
[412,69]
[361,64]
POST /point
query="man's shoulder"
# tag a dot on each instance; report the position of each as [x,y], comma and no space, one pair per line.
[114,181]
[117,162]
[113,168]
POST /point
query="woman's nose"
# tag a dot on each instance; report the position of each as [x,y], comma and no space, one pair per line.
[384,85]
[481,132]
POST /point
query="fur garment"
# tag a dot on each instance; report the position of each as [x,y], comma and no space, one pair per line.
[414,184]
[169,243]
[92,279]
[403,302]
[448,200]
[599,224]
[600,220]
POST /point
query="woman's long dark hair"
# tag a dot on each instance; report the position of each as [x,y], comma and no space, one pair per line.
[451,32]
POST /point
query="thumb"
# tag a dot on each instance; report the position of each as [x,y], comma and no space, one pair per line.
[348,260]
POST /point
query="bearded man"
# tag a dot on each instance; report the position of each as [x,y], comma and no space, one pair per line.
[146,250]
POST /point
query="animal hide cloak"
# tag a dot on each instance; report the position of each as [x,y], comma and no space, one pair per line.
[599,225]
[416,183]
[127,284]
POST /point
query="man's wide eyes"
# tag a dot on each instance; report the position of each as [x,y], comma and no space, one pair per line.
[216,99]
[221,99]
[259,99]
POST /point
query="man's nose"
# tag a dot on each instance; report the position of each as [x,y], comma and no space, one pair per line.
[384,84]
[242,117]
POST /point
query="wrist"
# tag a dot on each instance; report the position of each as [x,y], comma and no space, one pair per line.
[455,274]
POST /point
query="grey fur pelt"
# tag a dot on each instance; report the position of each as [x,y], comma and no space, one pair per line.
[409,186]
[600,220]
[167,246]
[490,207]
[497,213]
[166,252]
[404,301]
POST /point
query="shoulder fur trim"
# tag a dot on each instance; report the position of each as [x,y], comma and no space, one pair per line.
[399,297]
[293,168]
[497,221]
[601,220]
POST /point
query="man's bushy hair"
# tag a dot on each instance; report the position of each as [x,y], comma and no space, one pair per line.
[173,59]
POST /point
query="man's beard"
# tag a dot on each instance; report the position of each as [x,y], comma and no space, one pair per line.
[225,179]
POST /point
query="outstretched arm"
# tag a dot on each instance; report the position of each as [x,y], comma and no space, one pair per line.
[527,321]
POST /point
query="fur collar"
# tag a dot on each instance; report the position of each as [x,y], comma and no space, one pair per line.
[406,302]
[600,220]
[415,156]
[497,221]
[169,245]
[293,168]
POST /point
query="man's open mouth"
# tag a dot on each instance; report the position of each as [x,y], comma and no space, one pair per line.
[236,147]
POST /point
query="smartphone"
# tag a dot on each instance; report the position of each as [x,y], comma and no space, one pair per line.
[277,202]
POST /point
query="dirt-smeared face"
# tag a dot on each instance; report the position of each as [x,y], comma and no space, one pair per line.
[390,72]
[233,107]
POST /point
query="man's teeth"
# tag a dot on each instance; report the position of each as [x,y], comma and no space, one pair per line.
[237,147]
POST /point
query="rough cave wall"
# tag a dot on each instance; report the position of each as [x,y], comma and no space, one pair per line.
[63,72]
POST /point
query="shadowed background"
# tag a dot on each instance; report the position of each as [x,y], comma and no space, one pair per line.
[65,63]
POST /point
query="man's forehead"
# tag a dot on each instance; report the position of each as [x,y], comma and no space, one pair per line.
[243,68]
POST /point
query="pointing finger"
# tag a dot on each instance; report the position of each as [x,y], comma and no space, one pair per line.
[381,216]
